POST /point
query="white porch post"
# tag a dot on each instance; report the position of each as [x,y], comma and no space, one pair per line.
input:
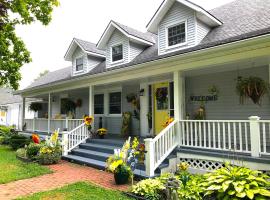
[150,157]
[91,102]
[49,113]
[255,139]
[144,110]
[179,100]
[22,113]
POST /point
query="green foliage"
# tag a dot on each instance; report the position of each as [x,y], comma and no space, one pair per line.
[149,188]
[2,139]
[34,106]
[13,53]
[233,182]
[67,105]
[5,134]
[126,124]
[49,158]
[21,153]
[18,141]
[32,150]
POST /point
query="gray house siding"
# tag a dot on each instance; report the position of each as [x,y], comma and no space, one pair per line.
[177,13]
[92,62]
[134,50]
[202,30]
[227,106]
[117,38]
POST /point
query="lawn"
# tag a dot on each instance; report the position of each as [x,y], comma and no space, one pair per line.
[12,169]
[79,191]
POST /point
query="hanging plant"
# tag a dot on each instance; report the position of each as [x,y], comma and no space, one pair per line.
[35,106]
[79,103]
[251,87]
[162,94]
[68,105]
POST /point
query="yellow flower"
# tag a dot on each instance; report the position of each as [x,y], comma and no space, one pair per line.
[54,136]
[183,166]
[102,131]
[88,120]
[167,122]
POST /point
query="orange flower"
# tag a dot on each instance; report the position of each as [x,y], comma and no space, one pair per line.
[88,120]
[35,138]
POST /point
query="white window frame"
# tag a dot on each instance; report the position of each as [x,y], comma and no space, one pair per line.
[118,61]
[78,71]
[166,35]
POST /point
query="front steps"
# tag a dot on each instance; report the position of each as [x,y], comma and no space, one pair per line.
[95,152]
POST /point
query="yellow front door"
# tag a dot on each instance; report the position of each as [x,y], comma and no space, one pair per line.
[161,105]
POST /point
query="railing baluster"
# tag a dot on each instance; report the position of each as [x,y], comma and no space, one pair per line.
[234,137]
[240,136]
[229,136]
[264,137]
[187,123]
[183,133]
[224,135]
[200,134]
[204,133]
[209,135]
[191,134]
[246,136]
[218,127]
[214,134]
[196,134]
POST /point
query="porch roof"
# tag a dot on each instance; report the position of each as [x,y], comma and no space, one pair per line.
[242,19]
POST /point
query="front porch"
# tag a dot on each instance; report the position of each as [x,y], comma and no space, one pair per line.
[225,126]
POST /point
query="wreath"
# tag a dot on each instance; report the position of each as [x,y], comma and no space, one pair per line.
[162,94]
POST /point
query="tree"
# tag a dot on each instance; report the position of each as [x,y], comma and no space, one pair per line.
[42,74]
[13,53]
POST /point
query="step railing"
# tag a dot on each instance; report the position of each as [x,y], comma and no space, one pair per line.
[265,136]
[72,139]
[160,147]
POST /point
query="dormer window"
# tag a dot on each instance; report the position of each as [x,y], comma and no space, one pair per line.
[176,34]
[117,53]
[79,64]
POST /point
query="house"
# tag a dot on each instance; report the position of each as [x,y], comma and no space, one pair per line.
[11,108]
[186,66]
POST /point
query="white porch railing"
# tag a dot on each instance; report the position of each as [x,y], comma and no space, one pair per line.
[160,147]
[72,139]
[41,124]
[244,136]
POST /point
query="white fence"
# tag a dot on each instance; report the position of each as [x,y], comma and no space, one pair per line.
[42,124]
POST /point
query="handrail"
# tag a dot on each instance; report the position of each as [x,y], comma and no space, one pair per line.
[164,131]
[74,138]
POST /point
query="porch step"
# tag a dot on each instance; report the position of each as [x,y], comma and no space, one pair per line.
[110,142]
[97,155]
[99,147]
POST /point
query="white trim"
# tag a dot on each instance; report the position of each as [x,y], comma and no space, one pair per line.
[115,114]
[111,55]
[196,29]
[166,34]
[108,32]
[152,25]
[82,70]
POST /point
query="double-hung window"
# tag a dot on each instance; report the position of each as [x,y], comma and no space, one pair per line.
[99,104]
[117,53]
[115,103]
[79,64]
[176,34]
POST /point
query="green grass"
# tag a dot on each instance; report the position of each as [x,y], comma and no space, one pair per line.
[12,169]
[79,191]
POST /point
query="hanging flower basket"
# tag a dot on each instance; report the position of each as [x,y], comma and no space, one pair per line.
[252,87]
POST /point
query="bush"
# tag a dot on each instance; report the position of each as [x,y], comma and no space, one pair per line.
[18,141]
[21,153]
[149,188]
[5,133]
[2,139]
[49,155]
[32,150]
[233,182]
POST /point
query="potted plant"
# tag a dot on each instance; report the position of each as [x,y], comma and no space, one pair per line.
[88,120]
[102,132]
[126,124]
[251,87]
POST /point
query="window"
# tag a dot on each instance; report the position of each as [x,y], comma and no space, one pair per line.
[79,64]
[177,34]
[99,104]
[117,53]
[115,103]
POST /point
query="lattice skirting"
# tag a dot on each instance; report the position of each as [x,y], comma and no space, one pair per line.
[202,164]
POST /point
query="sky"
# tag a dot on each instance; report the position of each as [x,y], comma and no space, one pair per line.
[84,19]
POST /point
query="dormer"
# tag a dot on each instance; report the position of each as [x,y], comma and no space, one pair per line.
[84,56]
[180,24]
[122,44]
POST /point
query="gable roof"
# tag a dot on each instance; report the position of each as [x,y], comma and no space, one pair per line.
[133,34]
[242,19]
[201,13]
[88,47]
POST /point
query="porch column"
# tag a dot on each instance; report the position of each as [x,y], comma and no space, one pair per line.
[22,113]
[91,102]
[179,95]
[49,113]
[144,110]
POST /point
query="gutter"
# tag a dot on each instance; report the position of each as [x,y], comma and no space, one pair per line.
[140,65]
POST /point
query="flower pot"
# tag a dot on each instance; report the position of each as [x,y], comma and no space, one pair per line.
[101,136]
[121,178]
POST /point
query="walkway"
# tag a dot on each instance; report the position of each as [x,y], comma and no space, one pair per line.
[64,173]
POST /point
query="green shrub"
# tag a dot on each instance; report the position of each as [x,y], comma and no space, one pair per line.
[18,141]
[21,153]
[233,182]
[149,188]
[32,150]
[49,157]
[4,130]
[2,139]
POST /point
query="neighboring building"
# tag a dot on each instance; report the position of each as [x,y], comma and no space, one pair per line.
[185,66]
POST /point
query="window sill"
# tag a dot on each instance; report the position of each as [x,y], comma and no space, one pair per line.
[176,46]
[116,62]
[114,115]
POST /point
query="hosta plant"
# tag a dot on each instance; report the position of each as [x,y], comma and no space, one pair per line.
[233,182]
